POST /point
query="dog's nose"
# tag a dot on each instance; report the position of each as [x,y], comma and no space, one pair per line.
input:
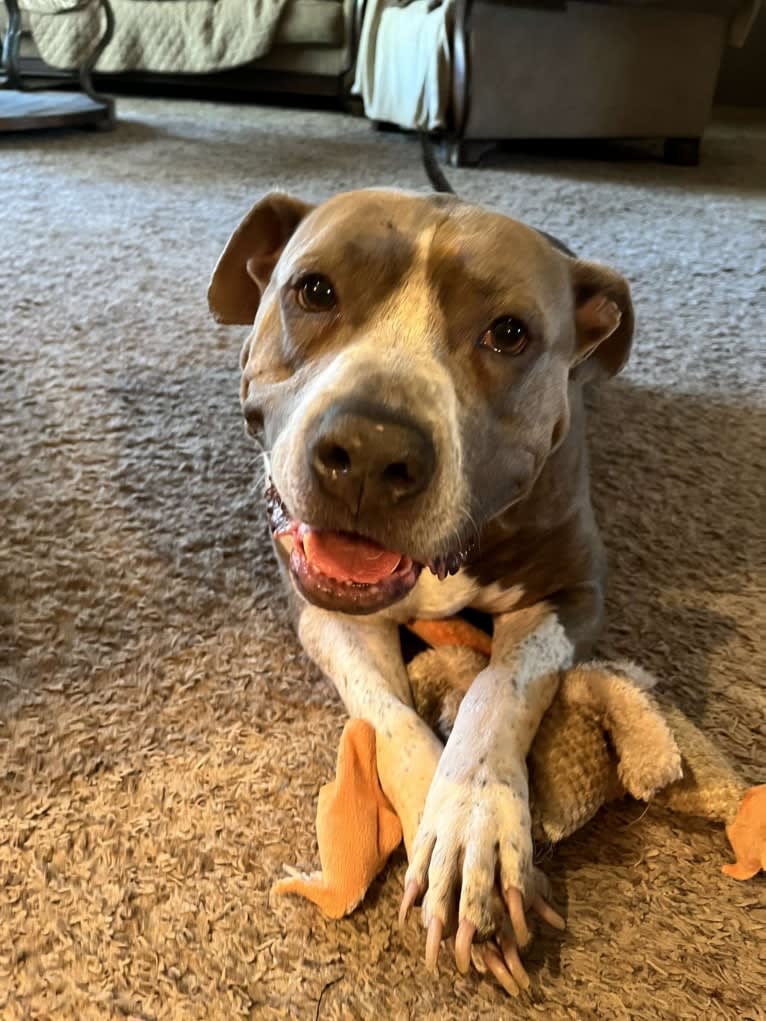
[370,458]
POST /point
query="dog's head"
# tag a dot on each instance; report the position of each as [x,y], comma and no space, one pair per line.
[408,372]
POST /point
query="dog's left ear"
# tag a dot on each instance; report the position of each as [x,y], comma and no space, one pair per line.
[603,321]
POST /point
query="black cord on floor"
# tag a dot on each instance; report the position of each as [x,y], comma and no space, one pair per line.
[431,166]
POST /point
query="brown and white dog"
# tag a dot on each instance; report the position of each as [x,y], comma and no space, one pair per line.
[414,373]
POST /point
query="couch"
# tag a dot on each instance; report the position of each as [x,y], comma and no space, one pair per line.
[488,70]
[299,45]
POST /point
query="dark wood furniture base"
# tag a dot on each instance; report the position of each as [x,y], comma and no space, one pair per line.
[683,152]
[462,152]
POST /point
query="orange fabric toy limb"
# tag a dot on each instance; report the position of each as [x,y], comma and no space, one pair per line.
[747,835]
[357,829]
[453,631]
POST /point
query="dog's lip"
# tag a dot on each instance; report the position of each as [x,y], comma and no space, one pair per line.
[338,594]
[295,538]
[350,596]
[285,527]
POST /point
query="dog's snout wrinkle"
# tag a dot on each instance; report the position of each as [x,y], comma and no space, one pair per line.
[369,457]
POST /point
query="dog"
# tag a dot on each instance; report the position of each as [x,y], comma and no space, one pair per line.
[414,375]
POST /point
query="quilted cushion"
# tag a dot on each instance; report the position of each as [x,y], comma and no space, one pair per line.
[192,36]
[49,6]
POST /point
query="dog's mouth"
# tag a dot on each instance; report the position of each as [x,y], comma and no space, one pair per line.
[345,571]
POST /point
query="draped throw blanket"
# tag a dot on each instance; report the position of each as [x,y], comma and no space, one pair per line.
[190,36]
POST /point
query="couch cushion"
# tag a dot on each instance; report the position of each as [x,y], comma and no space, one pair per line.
[312,23]
[49,6]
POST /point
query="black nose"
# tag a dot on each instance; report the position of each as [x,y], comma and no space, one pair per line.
[370,458]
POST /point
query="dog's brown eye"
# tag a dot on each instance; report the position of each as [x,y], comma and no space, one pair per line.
[315,293]
[506,336]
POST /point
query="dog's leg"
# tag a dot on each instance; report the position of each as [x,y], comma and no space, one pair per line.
[363,659]
[476,822]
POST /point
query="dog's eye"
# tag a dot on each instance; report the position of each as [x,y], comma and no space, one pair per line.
[506,336]
[315,293]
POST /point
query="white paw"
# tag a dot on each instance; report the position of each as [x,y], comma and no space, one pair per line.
[473,858]
[473,831]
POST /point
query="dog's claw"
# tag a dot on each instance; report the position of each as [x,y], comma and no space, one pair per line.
[547,913]
[513,961]
[433,942]
[411,891]
[463,941]
[497,966]
[515,903]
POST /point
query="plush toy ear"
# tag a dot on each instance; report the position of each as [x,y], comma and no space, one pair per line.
[603,321]
[248,260]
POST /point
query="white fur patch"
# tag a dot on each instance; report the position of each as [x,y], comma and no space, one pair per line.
[431,598]
[496,598]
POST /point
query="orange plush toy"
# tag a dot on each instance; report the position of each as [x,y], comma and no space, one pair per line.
[357,829]
[653,752]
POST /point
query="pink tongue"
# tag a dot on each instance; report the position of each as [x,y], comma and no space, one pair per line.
[347,558]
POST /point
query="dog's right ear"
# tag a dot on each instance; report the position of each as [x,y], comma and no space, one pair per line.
[244,269]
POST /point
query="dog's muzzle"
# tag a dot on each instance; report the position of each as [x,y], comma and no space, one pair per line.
[365,463]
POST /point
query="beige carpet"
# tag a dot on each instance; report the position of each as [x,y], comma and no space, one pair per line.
[162,739]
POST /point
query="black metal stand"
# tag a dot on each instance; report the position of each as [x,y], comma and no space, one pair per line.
[24,106]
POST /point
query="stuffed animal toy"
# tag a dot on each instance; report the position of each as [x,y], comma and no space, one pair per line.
[606,734]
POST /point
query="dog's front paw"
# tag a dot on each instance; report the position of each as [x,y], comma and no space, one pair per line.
[471,831]
[473,847]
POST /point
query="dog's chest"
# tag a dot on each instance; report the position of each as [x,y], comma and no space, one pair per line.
[432,598]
